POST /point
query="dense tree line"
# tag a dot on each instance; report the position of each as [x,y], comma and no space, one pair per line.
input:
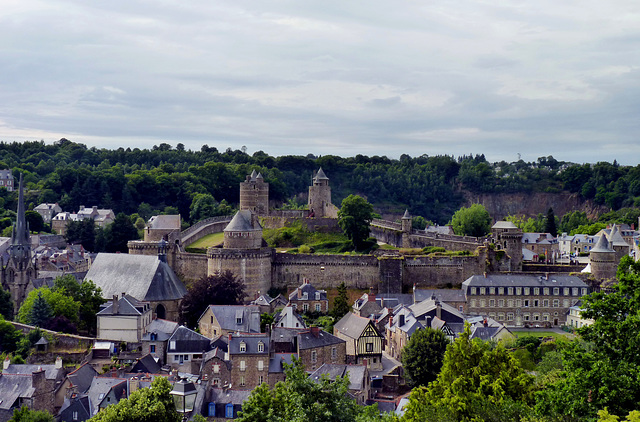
[146,181]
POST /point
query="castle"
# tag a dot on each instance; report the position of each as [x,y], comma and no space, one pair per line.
[245,253]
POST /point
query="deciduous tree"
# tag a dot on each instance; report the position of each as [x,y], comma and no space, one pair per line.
[423,355]
[354,218]
[472,221]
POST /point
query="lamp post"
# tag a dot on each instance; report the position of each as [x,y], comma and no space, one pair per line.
[184,397]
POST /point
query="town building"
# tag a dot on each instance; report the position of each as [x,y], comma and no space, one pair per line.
[163,227]
[6,180]
[48,211]
[124,318]
[222,320]
[185,350]
[155,338]
[523,299]
[307,298]
[363,341]
[249,355]
[359,379]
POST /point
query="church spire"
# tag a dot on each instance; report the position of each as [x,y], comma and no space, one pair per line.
[20,244]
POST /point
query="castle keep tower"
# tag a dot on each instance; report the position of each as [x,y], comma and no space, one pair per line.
[508,236]
[17,274]
[320,197]
[243,254]
[254,194]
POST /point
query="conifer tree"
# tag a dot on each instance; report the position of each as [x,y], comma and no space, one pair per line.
[550,224]
[341,303]
[41,312]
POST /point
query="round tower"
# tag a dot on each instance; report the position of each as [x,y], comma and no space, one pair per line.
[508,236]
[406,222]
[320,195]
[603,260]
[243,254]
[254,194]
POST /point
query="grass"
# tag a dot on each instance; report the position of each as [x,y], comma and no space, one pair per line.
[537,333]
[208,241]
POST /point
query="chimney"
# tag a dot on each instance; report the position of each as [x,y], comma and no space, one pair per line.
[485,322]
[485,274]
[401,320]
[315,331]
[38,379]
[95,208]
[390,320]
[305,280]
[114,306]
[438,310]
[6,363]
[134,384]
[230,335]
[58,364]
[546,276]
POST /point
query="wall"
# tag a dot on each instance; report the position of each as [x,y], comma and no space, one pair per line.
[252,266]
[203,228]
[324,225]
[190,266]
[62,341]
[438,271]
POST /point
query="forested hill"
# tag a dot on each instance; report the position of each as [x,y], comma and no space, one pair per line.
[142,181]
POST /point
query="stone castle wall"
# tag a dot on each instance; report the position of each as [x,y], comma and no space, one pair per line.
[190,266]
[440,271]
[253,266]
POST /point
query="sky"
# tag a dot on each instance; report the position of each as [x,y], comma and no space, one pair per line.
[506,79]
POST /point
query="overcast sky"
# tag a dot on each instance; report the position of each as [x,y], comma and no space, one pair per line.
[345,77]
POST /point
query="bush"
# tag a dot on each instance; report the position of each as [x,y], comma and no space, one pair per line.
[433,249]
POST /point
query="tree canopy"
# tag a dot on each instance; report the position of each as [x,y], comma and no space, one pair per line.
[218,289]
[472,221]
[59,304]
[354,218]
[423,355]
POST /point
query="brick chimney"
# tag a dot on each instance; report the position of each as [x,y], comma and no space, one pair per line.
[315,331]
[38,380]
[6,363]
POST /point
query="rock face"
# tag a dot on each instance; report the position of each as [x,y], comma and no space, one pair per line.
[501,205]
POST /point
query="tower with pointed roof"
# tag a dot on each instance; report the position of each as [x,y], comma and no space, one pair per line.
[19,269]
[320,197]
[603,260]
[254,194]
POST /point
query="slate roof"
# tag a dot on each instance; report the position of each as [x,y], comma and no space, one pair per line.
[164,222]
[100,387]
[12,387]
[146,364]
[80,405]
[161,328]
[141,276]
[616,238]
[127,305]
[504,225]
[308,340]
[226,315]
[443,295]
[522,280]
[320,175]
[82,377]
[188,341]
[428,305]
[226,396]
[263,300]
[352,325]
[50,371]
[287,315]
[251,344]
[357,374]
[276,363]
[484,333]
[538,238]
[241,222]
[602,245]
[298,293]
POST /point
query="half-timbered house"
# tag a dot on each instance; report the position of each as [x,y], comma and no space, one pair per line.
[364,342]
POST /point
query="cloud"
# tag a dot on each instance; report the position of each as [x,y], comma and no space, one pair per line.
[335,77]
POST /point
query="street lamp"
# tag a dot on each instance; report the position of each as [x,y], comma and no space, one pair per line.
[184,397]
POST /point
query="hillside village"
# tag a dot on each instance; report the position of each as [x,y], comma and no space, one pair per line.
[498,285]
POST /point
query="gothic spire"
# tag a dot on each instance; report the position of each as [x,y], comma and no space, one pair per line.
[20,244]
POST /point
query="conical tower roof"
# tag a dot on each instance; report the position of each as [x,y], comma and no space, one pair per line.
[259,177]
[615,238]
[320,175]
[406,215]
[253,175]
[602,245]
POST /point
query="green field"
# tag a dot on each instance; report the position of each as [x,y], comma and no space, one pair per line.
[537,333]
[207,241]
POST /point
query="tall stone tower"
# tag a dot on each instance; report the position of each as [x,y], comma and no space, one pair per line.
[243,253]
[406,229]
[603,260]
[254,194]
[20,269]
[320,197]
[508,236]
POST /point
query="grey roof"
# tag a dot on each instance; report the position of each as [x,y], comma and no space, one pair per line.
[241,222]
[146,364]
[100,387]
[188,341]
[79,405]
[428,305]
[308,340]
[251,342]
[276,363]
[127,305]
[406,214]
[504,225]
[352,325]
[484,333]
[227,315]
[141,276]
[263,300]
[616,238]
[82,377]
[164,222]
[259,176]
[356,373]
[320,175]
[50,371]
[602,245]
[307,288]
[443,295]
[254,175]
[216,352]
[523,280]
[161,328]
[538,238]
[228,396]
[13,387]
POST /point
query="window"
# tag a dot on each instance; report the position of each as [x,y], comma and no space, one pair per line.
[510,303]
[243,365]
[153,336]
[242,383]
[369,347]
[212,409]
[260,379]
[501,303]
[518,291]
[556,303]
[500,316]
[228,411]
[260,365]
[545,303]
[305,307]
[536,291]
[317,295]
[243,347]
[152,348]
[295,306]
[584,291]
[565,303]
[260,347]
[75,416]
[536,303]
[526,303]
[546,291]
[483,303]
[186,357]
[239,321]
[518,303]
[473,291]
[492,290]
[318,307]
[216,368]
[172,345]
[527,291]
[482,290]
[460,308]
[510,316]
[314,354]
[500,290]
[575,291]
[211,319]
[545,317]
[510,290]
[536,317]
[526,317]
[472,303]
[566,291]
[556,291]
[176,358]
[492,303]
[334,353]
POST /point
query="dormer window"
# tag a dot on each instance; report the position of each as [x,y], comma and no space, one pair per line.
[243,347]
[317,295]
[305,296]
[261,347]
[172,344]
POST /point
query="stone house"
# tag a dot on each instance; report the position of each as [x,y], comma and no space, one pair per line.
[76,382]
[155,338]
[33,386]
[307,298]
[270,304]
[363,341]
[523,299]
[216,368]
[48,211]
[452,297]
[575,318]
[249,355]
[224,404]
[124,318]
[6,180]
[359,380]
[185,350]
[317,347]
[222,320]
[163,227]
[289,318]
[75,409]
[277,366]
[541,244]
